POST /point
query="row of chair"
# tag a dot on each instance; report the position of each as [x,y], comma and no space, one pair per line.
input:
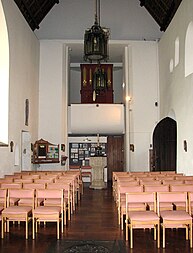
[41,205]
[45,201]
[126,184]
[122,190]
[146,210]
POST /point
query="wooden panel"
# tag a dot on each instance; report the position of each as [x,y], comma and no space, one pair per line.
[87,71]
[115,154]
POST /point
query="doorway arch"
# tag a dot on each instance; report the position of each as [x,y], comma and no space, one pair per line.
[164,145]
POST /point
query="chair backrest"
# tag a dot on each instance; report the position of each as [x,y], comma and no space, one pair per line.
[150,182]
[181,188]
[34,186]
[21,194]
[33,176]
[141,197]
[187,178]
[128,183]
[49,194]
[23,180]
[11,185]
[172,182]
[134,188]
[3,197]
[6,180]
[188,181]
[171,197]
[190,201]
[156,188]
[43,181]
[65,186]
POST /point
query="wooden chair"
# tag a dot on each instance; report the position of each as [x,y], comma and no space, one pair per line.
[142,219]
[181,188]
[175,218]
[12,200]
[67,198]
[3,200]
[158,188]
[51,213]
[18,213]
[122,190]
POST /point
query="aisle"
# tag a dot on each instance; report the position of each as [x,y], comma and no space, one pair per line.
[95,217]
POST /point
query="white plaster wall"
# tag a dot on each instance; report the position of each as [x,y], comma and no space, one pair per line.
[176,91]
[143,114]
[51,94]
[24,71]
[75,86]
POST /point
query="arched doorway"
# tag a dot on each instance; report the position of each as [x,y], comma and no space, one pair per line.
[164,145]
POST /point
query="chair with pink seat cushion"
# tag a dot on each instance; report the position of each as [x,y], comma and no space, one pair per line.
[142,219]
[48,213]
[122,190]
[3,200]
[15,212]
[175,218]
[67,198]
[12,201]
[181,188]
[158,188]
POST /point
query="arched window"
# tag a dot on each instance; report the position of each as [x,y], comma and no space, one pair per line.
[177,51]
[4,78]
[189,50]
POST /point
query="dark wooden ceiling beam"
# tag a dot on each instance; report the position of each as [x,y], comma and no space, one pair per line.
[161,10]
[34,11]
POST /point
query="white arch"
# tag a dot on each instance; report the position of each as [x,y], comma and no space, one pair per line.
[189,50]
[4,77]
[172,114]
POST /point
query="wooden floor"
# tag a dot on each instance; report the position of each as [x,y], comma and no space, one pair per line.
[94,219]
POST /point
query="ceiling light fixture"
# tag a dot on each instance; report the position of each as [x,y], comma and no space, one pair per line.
[96,40]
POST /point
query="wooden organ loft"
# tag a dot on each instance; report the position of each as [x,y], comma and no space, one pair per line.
[96,87]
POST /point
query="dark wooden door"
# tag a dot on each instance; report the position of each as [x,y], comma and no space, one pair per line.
[115,154]
[164,145]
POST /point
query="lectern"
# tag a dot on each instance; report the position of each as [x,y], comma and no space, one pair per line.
[98,163]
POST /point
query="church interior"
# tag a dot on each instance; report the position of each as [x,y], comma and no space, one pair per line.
[96,107]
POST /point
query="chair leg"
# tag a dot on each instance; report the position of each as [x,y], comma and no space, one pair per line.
[187,232]
[158,235]
[69,212]
[26,228]
[131,237]
[190,235]
[62,223]
[64,216]
[58,229]
[2,227]
[119,215]
[7,226]
[126,228]
[33,228]
[163,237]
[122,221]
[154,232]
